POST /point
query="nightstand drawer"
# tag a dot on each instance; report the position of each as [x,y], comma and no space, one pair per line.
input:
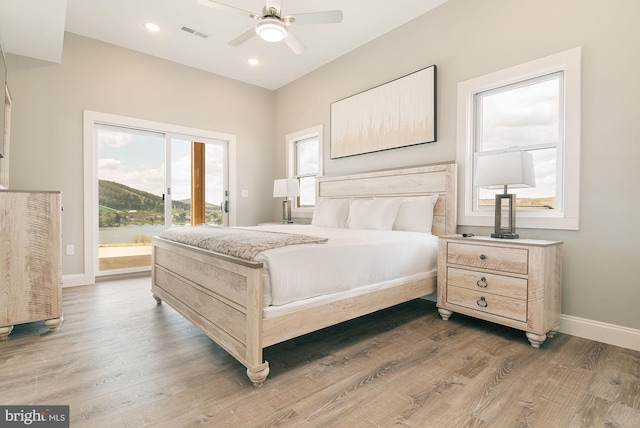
[497,305]
[488,283]
[502,259]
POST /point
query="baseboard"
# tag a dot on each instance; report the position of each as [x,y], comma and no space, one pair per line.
[601,332]
[75,280]
[78,279]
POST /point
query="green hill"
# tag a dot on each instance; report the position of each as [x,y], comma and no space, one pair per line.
[120,204]
[124,205]
[124,198]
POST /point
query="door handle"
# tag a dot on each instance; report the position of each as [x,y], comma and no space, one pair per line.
[224,207]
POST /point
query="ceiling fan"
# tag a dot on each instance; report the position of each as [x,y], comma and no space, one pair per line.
[272,26]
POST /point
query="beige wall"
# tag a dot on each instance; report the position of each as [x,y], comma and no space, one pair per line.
[469,38]
[47,145]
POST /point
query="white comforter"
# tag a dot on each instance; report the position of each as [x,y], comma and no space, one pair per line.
[351,258]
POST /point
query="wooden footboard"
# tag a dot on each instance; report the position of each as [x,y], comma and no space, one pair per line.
[219,294]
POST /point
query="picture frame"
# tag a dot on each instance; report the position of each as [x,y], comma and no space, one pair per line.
[399,113]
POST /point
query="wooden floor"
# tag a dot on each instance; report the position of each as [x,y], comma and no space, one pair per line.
[120,360]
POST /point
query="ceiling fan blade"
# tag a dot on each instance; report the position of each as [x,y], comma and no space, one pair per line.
[243,37]
[295,44]
[328,17]
[223,7]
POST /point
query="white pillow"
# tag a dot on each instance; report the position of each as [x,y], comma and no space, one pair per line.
[376,214]
[416,214]
[330,213]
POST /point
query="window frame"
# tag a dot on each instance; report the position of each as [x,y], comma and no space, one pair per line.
[292,162]
[566,214]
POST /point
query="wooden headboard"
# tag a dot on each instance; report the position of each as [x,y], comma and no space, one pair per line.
[415,181]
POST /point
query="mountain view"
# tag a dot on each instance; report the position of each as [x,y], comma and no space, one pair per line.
[121,205]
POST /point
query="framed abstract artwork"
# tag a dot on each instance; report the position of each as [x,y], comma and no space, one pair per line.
[399,113]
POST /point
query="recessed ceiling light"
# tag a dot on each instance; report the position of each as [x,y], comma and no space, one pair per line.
[253,61]
[152,27]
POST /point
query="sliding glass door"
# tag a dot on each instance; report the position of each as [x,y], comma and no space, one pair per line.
[151,180]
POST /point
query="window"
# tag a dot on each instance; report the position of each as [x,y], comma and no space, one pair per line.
[304,162]
[523,116]
[533,107]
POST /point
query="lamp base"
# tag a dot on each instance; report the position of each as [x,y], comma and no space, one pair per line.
[505,235]
[286,211]
[505,220]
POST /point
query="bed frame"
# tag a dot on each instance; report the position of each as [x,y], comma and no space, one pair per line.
[222,295]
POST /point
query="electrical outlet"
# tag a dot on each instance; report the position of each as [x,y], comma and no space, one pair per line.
[244,193]
[71,250]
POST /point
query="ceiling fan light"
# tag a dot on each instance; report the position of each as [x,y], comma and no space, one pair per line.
[271,30]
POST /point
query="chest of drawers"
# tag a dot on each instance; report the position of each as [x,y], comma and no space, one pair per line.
[30,259]
[517,283]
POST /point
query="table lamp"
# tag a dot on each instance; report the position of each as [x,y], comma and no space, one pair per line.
[513,168]
[285,188]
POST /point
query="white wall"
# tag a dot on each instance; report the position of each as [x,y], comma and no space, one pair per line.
[470,38]
[47,145]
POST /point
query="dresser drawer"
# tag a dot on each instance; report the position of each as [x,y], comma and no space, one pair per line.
[484,302]
[514,260]
[487,282]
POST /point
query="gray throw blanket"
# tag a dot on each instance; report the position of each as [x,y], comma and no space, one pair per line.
[243,243]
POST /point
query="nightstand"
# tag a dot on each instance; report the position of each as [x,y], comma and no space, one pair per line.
[513,282]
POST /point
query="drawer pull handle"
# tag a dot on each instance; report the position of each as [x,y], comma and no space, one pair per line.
[482,282]
[482,302]
[482,257]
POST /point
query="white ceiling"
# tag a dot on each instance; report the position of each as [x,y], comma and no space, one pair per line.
[35,28]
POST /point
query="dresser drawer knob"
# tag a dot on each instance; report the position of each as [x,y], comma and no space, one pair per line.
[482,282]
[482,302]
[482,257]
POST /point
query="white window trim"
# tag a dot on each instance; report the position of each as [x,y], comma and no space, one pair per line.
[566,216]
[314,131]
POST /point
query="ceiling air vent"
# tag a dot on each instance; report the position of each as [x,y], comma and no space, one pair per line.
[194,32]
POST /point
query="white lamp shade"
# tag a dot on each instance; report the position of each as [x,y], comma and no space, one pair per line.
[514,169]
[286,187]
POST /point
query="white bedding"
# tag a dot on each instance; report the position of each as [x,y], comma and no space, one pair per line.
[350,259]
